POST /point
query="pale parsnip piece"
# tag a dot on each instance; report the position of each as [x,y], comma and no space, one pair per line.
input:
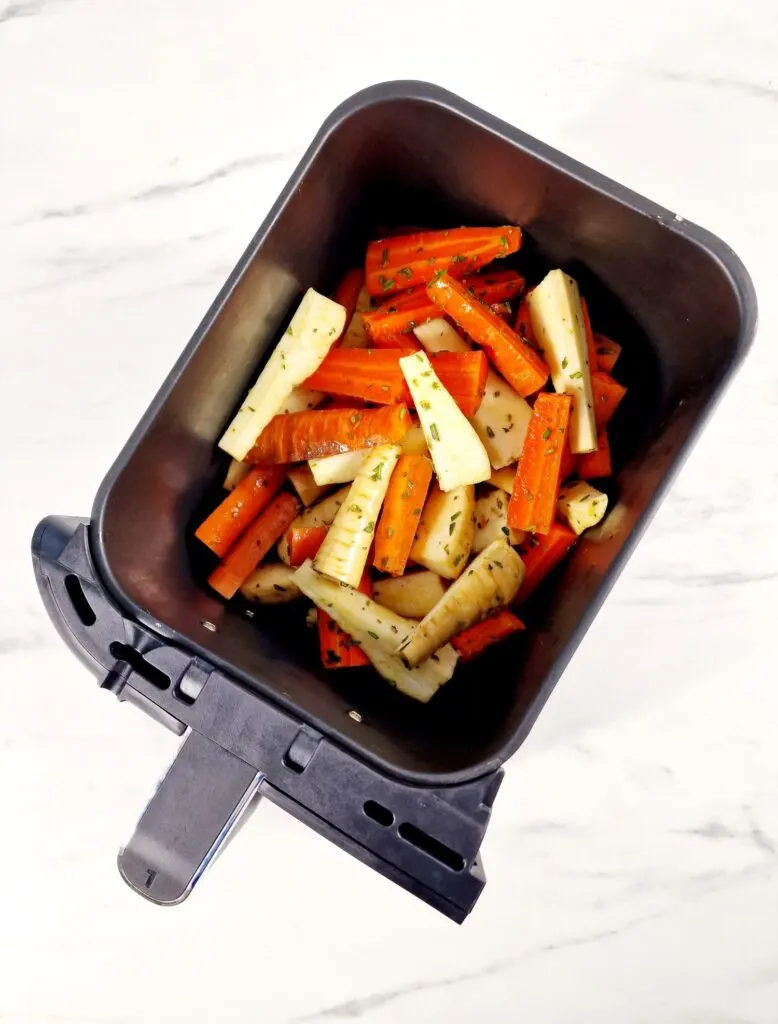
[356,335]
[235,473]
[300,400]
[491,581]
[343,555]
[581,506]
[412,595]
[457,453]
[378,631]
[491,521]
[445,534]
[343,467]
[558,324]
[271,584]
[338,469]
[317,322]
[301,478]
[502,418]
[504,478]
[321,514]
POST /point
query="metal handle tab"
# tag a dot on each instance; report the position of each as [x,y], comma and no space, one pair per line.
[199,802]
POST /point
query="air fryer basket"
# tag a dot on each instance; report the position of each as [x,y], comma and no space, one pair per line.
[406,788]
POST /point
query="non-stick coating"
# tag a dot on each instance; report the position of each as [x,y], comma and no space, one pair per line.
[676,298]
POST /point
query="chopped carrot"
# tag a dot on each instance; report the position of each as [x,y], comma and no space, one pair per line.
[597,464]
[348,291]
[242,505]
[523,325]
[304,542]
[403,503]
[403,261]
[374,375]
[337,648]
[607,394]
[405,342]
[495,285]
[535,491]
[591,351]
[542,553]
[569,463]
[299,436]
[607,353]
[401,313]
[522,367]
[477,638]
[243,558]
[342,402]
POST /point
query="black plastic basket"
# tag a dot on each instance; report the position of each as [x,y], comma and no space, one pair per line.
[407,789]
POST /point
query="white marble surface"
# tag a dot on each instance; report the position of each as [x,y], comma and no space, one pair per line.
[633,853]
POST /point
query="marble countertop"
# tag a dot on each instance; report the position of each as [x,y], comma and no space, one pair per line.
[633,852]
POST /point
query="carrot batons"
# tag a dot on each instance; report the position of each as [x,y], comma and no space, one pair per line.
[401,513]
[337,648]
[607,393]
[533,503]
[597,464]
[477,638]
[607,353]
[304,542]
[521,366]
[242,505]
[543,553]
[403,261]
[228,577]
[312,435]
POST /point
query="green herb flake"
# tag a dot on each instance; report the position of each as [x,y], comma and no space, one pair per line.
[384,257]
[489,432]
[457,559]
[564,363]
[576,375]
[504,241]
[455,515]
[279,588]
[437,275]
[370,527]
[427,373]
[425,405]
[386,282]
[499,563]
[547,433]
[459,258]
[434,432]
[451,528]
[376,474]
[355,508]
[289,331]
[406,272]
[506,531]
[371,633]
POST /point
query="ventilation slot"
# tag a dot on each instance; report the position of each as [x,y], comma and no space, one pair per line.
[82,607]
[136,661]
[378,813]
[431,846]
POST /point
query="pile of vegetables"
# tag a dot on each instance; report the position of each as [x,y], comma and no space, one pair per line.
[416,455]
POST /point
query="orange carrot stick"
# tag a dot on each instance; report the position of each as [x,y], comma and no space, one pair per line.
[304,542]
[570,462]
[597,464]
[607,394]
[522,367]
[591,351]
[300,436]
[607,353]
[523,325]
[243,504]
[477,638]
[337,648]
[348,291]
[401,313]
[495,285]
[403,503]
[405,342]
[374,375]
[536,489]
[228,577]
[401,262]
[541,554]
